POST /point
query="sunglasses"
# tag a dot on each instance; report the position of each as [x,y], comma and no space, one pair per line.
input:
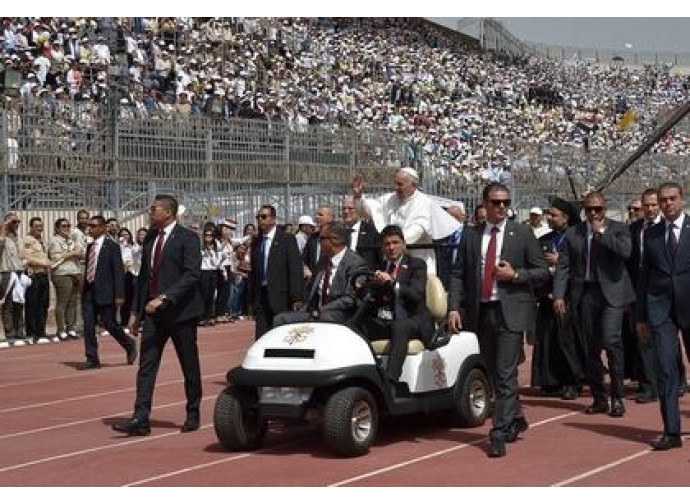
[499,202]
[634,209]
[263,216]
[596,209]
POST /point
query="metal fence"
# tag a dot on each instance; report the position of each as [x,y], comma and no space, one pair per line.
[76,155]
[69,156]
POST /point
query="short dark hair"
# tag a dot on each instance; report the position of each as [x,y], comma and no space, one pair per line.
[392,230]
[339,232]
[671,185]
[271,210]
[493,186]
[100,219]
[33,220]
[168,201]
[649,192]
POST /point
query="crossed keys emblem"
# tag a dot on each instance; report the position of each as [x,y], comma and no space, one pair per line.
[298,334]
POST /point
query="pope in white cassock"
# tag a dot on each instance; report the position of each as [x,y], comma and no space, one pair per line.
[421,218]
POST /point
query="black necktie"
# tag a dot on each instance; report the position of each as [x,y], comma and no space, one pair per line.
[672,240]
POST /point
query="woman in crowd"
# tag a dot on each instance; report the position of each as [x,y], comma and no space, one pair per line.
[67,274]
[127,248]
[238,300]
[212,258]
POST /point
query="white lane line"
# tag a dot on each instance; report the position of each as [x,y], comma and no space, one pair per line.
[107,369]
[213,463]
[88,450]
[601,469]
[93,396]
[438,453]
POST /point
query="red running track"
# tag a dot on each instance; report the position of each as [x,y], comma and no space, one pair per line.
[55,431]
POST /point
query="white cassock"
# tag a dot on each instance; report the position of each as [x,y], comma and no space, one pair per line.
[420,217]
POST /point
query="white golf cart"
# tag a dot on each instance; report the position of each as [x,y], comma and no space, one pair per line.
[297,370]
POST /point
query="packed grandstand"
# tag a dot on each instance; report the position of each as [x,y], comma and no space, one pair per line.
[461,110]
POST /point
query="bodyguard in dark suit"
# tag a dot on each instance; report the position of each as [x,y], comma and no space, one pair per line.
[647,354]
[330,296]
[498,266]
[276,280]
[663,303]
[103,292]
[363,237]
[399,310]
[169,302]
[591,274]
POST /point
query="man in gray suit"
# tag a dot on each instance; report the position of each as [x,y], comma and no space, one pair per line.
[591,275]
[497,268]
[330,297]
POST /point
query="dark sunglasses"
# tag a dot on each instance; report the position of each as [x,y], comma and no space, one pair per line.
[596,209]
[634,209]
[263,216]
[499,202]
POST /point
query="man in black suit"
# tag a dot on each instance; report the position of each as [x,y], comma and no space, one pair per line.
[399,310]
[330,296]
[363,237]
[649,203]
[276,280]
[663,302]
[591,271]
[498,266]
[103,292]
[169,302]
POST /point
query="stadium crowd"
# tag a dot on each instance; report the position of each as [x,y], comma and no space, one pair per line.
[463,112]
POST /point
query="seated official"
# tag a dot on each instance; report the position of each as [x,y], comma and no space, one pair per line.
[330,297]
[399,310]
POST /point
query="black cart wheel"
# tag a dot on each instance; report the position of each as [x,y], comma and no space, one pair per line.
[350,421]
[472,397]
[237,421]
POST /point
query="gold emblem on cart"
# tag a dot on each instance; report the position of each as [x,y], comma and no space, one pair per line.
[438,367]
[298,334]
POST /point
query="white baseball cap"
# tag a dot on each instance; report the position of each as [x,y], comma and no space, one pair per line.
[536,211]
[306,219]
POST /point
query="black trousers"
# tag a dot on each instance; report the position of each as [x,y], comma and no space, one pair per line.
[107,314]
[37,299]
[503,351]
[208,291]
[399,332]
[223,288]
[154,336]
[601,326]
[264,314]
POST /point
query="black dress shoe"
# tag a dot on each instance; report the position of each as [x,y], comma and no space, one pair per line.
[646,397]
[666,442]
[497,448]
[133,427]
[190,425]
[90,365]
[617,408]
[132,354]
[570,393]
[519,425]
[597,407]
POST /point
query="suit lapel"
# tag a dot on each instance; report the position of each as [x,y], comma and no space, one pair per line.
[683,240]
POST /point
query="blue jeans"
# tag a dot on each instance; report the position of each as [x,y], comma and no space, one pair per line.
[237,299]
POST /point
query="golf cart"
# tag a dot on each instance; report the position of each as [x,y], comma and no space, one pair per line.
[299,372]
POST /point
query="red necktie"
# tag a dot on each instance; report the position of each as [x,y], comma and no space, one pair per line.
[326,283]
[489,266]
[153,282]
